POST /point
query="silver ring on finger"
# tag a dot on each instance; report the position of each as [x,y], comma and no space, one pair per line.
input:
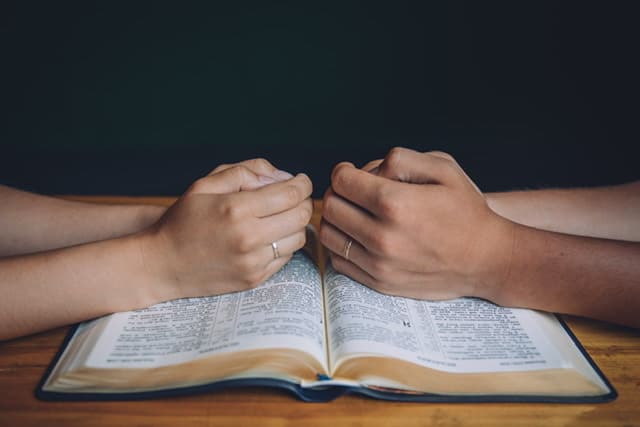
[347,248]
[276,252]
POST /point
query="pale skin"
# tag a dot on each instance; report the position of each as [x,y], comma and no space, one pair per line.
[64,262]
[422,229]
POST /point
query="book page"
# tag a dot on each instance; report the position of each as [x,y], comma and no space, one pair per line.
[284,312]
[460,335]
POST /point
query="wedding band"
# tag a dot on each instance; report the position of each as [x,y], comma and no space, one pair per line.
[276,253]
[347,248]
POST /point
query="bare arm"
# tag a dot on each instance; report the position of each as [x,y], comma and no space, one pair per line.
[608,212]
[32,223]
[63,286]
[563,273]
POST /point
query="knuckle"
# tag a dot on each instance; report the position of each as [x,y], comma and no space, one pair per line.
[388,202]
[339,176]
[262,164]
[292,194]
[394,158]
[241,170]
[231,211]
[395,163]
[307,184]
[388,209]
[443,155]
[383,244]
[233,172]
[245,242]
[198,186]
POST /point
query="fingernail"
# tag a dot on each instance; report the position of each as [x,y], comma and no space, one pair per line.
[282,175]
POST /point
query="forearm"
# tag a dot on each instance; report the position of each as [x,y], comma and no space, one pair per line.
[64,286]
[32,223]
[571,274]
[607,212]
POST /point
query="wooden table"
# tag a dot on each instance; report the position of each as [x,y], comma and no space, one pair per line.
[23,361]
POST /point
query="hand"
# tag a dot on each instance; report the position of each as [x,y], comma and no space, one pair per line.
[217,237]
[420,228]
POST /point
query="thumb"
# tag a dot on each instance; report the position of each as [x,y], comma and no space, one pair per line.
[403,164]
[372,166]
[434,167]
[231,180]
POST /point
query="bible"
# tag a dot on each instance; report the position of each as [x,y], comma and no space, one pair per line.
[319,334]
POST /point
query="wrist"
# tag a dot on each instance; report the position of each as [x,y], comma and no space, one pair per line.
[495,260]
[497,203]
[147,215]
[156,278]
[129,277]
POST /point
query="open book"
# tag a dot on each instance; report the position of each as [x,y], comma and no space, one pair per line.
[321,337]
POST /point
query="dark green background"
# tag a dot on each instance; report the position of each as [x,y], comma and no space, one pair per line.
[143,98]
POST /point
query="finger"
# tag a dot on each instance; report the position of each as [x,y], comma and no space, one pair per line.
[375,266]
[413,285]
[449,157]
[284,247]
[260,167]
[419,289]
[348,268]
[362,188]
[372,165]
[411,166]
[337,242]
[274,266]
[260,275]
[230,180]
[349,218]
[276,226]
[278,197]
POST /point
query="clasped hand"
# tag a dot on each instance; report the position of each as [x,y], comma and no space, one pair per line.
[218,236]
[414,225]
